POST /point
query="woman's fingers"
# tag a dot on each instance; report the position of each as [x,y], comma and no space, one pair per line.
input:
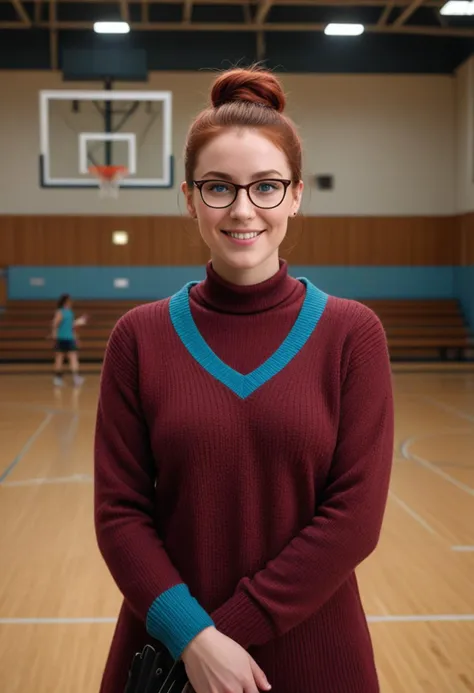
[259,676]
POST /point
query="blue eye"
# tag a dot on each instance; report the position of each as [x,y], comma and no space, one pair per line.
[218,188]
[266,187]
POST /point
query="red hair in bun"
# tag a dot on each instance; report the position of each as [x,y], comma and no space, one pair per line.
[251,98]
[251,86]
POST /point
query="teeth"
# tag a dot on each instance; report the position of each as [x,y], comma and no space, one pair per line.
[244,236]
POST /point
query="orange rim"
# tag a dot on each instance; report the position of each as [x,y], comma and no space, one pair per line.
[108,172]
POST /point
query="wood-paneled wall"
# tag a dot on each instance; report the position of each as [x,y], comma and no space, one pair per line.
[466,232]
[3,288]
[374,241]
[83,240]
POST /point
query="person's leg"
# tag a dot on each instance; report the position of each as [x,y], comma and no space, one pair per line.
[58,368]
[74,363]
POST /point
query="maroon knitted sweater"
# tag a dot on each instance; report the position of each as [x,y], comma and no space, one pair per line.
[242,460]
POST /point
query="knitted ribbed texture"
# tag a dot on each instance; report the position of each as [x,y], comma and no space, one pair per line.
[261,505]
[175,618]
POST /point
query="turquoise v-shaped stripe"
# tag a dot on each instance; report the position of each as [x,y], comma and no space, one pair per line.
[244,385]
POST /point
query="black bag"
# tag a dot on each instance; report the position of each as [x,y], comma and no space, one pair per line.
[156,672]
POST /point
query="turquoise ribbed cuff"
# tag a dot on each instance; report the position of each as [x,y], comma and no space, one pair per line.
[175,618]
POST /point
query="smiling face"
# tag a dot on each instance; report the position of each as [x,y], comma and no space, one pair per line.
[243,237]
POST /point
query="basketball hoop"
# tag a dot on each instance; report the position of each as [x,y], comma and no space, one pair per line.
[109,178]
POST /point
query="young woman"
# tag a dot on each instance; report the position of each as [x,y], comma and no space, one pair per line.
[244,437]
[64,333]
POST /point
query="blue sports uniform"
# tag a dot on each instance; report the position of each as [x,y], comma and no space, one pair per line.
[65,340]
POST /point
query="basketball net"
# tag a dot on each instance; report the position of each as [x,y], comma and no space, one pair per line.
[109,178]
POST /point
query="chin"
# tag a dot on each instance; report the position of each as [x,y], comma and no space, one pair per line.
[244,260]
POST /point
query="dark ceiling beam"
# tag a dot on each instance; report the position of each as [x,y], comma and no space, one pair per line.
[215,26]
[240,3]
[124,11]
[247,12]
[38,11]
[22,13]
[187,11]
[406,14]
[263,9]
[53,36]
[383,19]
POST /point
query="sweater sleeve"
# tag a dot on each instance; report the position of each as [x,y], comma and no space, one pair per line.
[347,524]
[125,472]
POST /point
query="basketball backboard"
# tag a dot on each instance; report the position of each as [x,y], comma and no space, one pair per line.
[80,130]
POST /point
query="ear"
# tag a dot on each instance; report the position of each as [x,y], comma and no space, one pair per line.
[297,196]
[188,194]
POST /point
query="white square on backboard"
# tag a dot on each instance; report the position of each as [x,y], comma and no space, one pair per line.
[129,137]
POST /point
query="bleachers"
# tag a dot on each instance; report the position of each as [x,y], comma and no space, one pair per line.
[25,327]
[416,329]
[423,328]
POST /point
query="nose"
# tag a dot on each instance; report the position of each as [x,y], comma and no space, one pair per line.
[242,208]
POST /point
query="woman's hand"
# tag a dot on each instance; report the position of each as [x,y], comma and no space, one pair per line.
[82,320]
[216,664]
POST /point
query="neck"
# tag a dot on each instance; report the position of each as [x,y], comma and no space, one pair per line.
[247,277]
[227,297]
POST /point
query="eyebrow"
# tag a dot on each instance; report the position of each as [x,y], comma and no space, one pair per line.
[219,175]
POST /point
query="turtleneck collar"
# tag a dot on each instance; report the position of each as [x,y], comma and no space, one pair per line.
[226,297]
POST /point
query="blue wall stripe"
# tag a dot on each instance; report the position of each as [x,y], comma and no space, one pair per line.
[98,282]
[159,281]
[464,290]
[381,282]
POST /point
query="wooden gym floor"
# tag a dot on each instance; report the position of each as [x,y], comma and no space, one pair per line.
[58,603]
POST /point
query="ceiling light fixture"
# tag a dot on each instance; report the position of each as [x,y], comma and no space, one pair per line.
[459,8]
[111,27]
[335,29]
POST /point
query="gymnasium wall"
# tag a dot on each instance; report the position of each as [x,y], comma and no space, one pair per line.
[168,240]
[464,120]
[464,136]
[363,256]
[387,139]
[368,257]
[3,287]
[397,146]
[464,273]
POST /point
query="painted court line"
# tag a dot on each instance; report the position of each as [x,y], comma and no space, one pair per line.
[46,408]
[53,621]
[26,447]
[392,618]
[412,513]
[432,467]
[462,549]
[40,481]
[448,408]
[421,618]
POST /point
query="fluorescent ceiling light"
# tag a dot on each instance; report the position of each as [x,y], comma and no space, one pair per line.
[344,29]
[111,27]
[458,8]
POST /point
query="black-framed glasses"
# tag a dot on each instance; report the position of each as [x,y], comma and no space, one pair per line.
[265,194]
